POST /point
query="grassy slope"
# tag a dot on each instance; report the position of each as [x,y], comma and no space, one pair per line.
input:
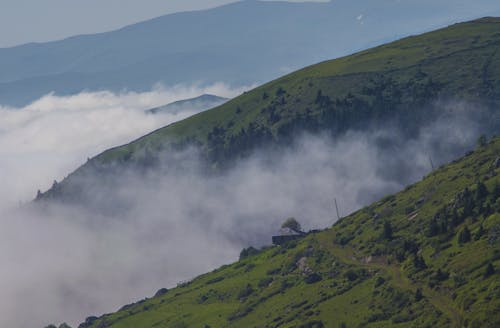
[366,278]
[463,60]
[398,79]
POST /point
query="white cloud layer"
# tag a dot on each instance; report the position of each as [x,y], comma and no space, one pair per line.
[54,135]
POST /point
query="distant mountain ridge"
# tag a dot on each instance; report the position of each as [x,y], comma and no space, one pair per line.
[240,44]
[197,104]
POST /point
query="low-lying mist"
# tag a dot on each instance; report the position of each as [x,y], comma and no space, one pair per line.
[52,136]
[63,263]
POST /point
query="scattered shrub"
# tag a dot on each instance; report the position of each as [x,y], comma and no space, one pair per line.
[273,271]
[246,252]
[418,295]
[313,324]
[265,282]
[214,280]
[161,292]
[249,267]
[464,236]
[351,275]
[379,281]
[378,317]
[245,292]
[312,278]
[387,233]
[490,270]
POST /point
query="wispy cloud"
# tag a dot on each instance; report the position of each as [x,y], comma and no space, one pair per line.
[54,135]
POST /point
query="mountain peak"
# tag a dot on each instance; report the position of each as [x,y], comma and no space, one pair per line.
[194,105]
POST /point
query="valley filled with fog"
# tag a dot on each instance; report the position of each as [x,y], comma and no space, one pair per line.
[147,230]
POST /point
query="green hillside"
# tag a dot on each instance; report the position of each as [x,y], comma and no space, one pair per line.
[462,61]
[428,256]
[403,81]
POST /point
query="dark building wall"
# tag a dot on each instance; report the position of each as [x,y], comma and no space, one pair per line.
[279,240]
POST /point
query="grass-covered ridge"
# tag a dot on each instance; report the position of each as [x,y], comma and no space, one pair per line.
[400,81]
[428,256]
[461,62]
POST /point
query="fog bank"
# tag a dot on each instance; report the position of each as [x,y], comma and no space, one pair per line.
[63,263]
[54,135]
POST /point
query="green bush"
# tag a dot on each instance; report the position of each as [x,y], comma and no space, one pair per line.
[313,278]
[464,236]
[265,282]
[246,252]
[245,292]
[379,281]
[490,270]
[313,324]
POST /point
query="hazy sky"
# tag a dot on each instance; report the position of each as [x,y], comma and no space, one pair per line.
[23,21]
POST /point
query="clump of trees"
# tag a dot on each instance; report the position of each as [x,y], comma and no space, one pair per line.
[245,292]
[418,294]
[467,204]
[62,325]
[387,233]
[246,252]
[464,236]
[482,140]
[490,270]
[292,223]
[419,262]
